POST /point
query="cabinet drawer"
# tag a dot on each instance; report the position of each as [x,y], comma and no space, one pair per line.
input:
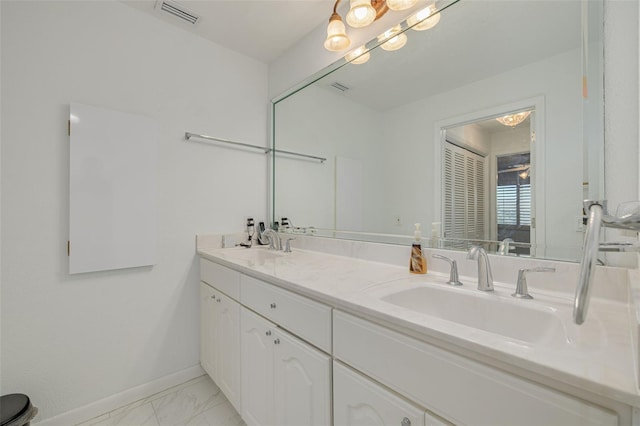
[445,382]
[359,401]
[224,279]
[303,317]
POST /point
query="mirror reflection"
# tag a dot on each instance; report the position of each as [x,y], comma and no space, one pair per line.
[474,128]
[487,183]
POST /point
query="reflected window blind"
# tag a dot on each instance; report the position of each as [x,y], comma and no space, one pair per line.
[514,204]
[465,204]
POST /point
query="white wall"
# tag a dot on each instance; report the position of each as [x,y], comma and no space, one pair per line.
[68,341]
[621,110]
[317,121]
[472,136]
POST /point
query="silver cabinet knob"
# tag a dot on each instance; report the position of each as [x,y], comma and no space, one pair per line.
[405,422]
[276,342]
[268,333]
[273,306]
[218,300]
[213,297]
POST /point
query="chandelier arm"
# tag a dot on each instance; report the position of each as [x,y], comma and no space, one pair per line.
[381,8]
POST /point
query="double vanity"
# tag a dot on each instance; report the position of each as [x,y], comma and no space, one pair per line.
[339,332]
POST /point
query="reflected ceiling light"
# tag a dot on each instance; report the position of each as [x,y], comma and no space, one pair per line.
[364,12]
[401,4]
[337,39]
[525,173]
[423,20]
[512,120]
[361,13]
[395,39]
[358,56]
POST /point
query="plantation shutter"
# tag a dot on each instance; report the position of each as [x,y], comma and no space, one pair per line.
[465,195]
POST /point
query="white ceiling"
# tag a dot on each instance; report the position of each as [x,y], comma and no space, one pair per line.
[261,29]
[474,40]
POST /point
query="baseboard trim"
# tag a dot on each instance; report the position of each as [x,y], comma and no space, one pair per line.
[113,402]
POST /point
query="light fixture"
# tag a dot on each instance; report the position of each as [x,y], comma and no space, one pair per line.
[337,39]
[395,39]
[525,173]
[401,4]
[424,19]
[358,56]
[361,13]
[364,12]
[512,120]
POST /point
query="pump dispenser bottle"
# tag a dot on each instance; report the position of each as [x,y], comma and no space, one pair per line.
[417,262]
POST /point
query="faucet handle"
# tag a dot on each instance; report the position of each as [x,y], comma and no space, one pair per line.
[522,292]
[453,273]
[287,248]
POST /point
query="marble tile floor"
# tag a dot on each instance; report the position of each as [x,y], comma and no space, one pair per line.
[198,402]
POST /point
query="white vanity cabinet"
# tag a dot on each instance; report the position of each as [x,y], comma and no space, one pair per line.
[285,381]
[457,388]
[358,401]
[301,316]
[208,329]
[220,329]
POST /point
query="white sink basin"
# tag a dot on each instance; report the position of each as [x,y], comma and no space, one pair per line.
[514,319]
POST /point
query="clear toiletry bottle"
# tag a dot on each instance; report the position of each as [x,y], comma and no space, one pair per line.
[417,262]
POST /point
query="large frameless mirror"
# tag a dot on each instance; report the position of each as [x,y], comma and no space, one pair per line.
[486,129]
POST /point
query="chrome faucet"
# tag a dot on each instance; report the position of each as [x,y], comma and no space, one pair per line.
[287,246]
[522,291]
[453,272]
[485,278]
[274,240]
[504,246]
[627,217]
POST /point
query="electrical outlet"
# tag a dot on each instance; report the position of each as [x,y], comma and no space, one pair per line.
[249,223]
[397,221]
[579,223]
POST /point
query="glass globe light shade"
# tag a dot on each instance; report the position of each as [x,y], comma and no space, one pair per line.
[337,39]
[423,20]
[361,13]
[401,4]
[512,120]
[395,39]
[358,56]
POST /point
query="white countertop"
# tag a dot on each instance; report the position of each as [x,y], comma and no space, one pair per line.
[598,357]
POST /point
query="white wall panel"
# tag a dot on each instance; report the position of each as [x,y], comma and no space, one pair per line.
[113,189]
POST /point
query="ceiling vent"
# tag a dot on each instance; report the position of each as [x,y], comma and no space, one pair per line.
[177,10]
[340,87]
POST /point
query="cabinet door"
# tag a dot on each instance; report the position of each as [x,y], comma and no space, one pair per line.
[228,349]
[302,383]
[357,401]
[208,330]
[257,342]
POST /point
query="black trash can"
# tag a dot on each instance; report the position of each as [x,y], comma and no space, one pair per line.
[16,410]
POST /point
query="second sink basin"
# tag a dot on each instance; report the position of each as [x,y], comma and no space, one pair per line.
[484,311]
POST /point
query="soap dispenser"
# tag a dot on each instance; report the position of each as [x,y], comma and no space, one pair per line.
[417,262]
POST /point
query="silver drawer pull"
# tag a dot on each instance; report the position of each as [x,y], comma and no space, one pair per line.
[273,306]
[268,333]
[277,341]
[405,422]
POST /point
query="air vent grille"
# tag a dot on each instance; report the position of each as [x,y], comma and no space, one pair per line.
[178,11]
[340,87]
